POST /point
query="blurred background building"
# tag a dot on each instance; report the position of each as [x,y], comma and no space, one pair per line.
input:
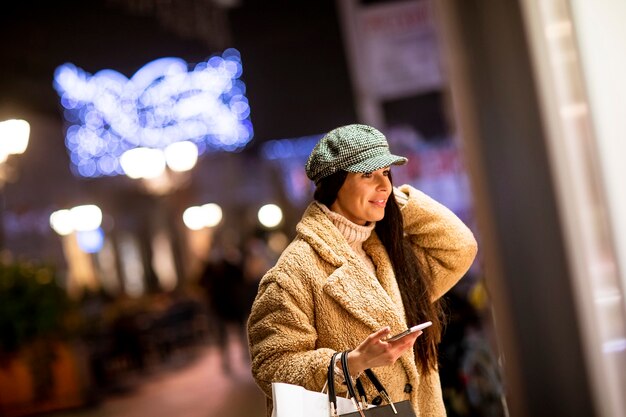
[163,165]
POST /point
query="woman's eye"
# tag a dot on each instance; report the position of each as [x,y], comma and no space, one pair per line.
[367,174]
[386,172]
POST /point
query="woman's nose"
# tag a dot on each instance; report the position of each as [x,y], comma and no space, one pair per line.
[383,182]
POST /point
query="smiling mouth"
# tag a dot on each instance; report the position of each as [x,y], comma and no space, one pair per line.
[379,202]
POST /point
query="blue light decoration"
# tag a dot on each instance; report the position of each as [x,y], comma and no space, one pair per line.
[162,103]
[296,148]
[290,156]
[90,241]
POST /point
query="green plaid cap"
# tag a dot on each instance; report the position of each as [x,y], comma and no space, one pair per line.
[352,148]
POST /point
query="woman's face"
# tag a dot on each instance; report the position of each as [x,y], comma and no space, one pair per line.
[363,196]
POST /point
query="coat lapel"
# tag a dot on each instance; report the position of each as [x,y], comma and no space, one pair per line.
[362,296]
[351,284]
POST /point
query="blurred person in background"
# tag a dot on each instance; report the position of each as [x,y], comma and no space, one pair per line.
[368,261]
[258,259]
[223,283]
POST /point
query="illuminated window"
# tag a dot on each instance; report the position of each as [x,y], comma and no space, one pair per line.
[162,103]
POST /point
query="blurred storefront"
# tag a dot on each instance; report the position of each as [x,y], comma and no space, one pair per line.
[536,92]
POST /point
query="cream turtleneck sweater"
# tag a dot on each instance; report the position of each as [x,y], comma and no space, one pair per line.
[355,234]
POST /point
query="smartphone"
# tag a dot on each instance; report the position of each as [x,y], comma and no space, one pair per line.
[409,331]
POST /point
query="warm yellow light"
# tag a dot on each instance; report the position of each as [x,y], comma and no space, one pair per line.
[143,163]
[131,163]
[14,135]
[212,214]
[61,222]
[194,218]
[85,218]
[181,156]
[198,217]
[270,215]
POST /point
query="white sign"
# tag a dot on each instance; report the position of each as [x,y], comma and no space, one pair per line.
[400,49]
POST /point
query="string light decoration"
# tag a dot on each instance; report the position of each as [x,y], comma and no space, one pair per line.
[164,102]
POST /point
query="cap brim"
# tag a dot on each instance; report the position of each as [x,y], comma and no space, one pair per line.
[377,162]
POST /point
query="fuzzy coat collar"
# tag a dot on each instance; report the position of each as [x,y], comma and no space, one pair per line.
[374,300]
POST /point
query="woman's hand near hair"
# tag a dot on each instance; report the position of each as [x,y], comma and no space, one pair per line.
[401,197]
[374,351]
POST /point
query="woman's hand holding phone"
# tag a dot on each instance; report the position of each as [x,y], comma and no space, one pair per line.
[378,350]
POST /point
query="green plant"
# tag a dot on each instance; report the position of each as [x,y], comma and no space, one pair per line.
[33,308]
[32,305]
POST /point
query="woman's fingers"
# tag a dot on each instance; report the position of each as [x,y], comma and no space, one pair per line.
[398,347]
[380,334]
[406,341]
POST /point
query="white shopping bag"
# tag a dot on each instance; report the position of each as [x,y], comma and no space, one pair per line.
[295,401]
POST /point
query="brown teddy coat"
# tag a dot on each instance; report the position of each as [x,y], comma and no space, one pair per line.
[320,298]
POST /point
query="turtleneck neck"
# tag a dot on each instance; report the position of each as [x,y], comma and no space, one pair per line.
[355,234]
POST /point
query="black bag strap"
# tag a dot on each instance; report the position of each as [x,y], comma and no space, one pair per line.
[361,390]
[332,397]
[372,377]
[346,374]
[348,379]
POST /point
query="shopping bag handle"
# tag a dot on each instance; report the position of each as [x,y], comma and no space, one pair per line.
[332,398]
[350,386]
[331,384]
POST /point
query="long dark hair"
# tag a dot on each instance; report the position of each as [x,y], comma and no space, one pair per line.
[415,289]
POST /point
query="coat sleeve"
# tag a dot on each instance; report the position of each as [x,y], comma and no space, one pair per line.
[445,247]
[282,335]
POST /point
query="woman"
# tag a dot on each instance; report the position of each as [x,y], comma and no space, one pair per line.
[368,261]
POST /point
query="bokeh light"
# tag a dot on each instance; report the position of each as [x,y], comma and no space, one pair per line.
[84,218]
[213,214]
[90,241]
[270,215]
[193,217]
[61,222]
[181,156]
[199,217]
[14,134]
[161,104]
